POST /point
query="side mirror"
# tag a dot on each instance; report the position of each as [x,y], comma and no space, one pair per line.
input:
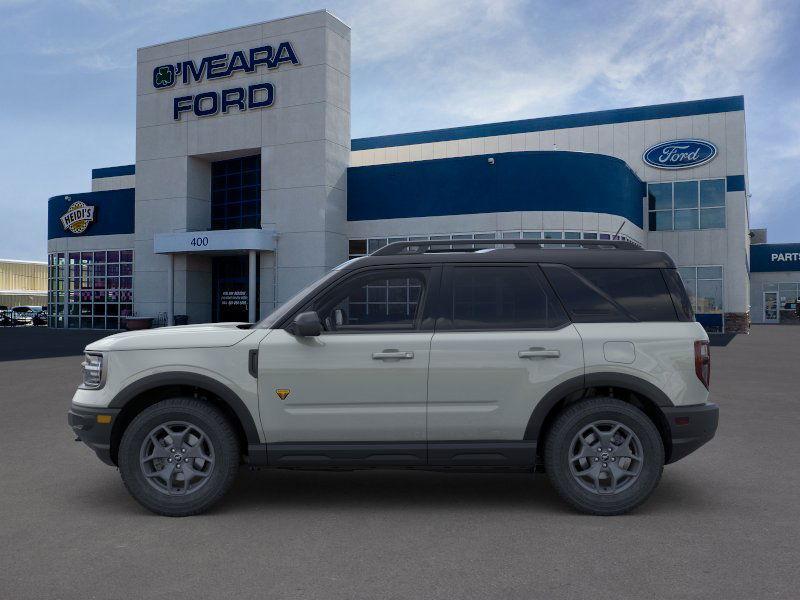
[306,324]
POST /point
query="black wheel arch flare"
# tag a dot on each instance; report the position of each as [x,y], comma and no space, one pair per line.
[223,393]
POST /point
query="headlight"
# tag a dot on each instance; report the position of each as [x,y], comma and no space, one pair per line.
[92,370]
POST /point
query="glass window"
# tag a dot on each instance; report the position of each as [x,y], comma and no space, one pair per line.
[585,302]
[572,235]
[712,192]
[236,193]
[377,301]
[709,272]
[532,235]
[660,220]
[357,248]
[686,219]
[685,194]
[589,236]
[681,299]
[374,244]
[659,196]
[512,235]
[712,218]
[501,298]
[642,292]
[553,235]
[709,296]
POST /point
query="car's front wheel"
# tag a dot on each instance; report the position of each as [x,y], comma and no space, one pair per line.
[604,456]
[178,457]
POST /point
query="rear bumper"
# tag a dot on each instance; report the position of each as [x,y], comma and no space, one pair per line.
[83,421]
[690,427]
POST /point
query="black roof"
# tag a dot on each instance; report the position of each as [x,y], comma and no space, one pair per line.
[625,255]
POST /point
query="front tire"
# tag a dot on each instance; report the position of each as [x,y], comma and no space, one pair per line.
[178,457]
[604,456]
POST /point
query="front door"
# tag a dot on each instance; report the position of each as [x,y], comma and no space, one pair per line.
[771,307]
[502,342]
[357,393]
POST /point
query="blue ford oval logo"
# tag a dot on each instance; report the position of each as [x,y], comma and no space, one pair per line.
[679,154]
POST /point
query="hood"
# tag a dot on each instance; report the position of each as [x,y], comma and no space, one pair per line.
[207,335]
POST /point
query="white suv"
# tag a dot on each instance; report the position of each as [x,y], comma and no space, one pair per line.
[581,359]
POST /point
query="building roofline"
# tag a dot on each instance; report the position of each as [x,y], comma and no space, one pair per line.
[25,262]
[602,117]
[199,35]
[116,171]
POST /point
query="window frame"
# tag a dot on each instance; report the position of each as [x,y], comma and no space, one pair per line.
[699,208]
[443,321]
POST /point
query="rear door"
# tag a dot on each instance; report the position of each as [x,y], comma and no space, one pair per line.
[502,342]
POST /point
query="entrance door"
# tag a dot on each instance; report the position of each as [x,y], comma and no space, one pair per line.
[770,307]
[355,394]
[229,283]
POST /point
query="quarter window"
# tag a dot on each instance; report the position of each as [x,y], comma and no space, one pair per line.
[642,292]
[500,298]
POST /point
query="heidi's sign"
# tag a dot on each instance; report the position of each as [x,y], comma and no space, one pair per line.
[679,154]
[78,217]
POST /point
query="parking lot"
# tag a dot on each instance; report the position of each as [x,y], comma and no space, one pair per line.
[724,522]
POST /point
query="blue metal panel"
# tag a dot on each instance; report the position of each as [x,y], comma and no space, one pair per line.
[736,183]
[710,321]
[517,181]
[603,117]
[113,171]
[774,257]
[113,213]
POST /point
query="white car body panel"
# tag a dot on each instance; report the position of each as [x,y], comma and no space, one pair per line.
[663,355]
[479,387]
[338,392]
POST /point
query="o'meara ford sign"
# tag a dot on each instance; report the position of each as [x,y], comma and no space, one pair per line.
[679,154]
[220,66]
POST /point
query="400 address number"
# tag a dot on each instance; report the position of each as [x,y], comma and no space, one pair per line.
[199,241]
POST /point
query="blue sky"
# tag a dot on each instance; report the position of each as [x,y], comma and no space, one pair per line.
[68,76]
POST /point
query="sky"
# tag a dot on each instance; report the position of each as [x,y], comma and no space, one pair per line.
[67,72]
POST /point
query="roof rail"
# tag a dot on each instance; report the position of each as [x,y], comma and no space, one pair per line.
[423,246]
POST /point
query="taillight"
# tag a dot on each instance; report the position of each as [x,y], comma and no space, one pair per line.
[702,362]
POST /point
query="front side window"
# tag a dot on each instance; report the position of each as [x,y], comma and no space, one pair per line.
[380,301]
[499,298]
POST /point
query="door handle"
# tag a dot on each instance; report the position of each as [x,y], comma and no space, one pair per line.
[392,355]
[539,353]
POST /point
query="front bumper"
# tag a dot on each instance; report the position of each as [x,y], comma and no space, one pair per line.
[690,427]
[84,423]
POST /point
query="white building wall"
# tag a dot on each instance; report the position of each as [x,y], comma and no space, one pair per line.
[120,182]
[304,142]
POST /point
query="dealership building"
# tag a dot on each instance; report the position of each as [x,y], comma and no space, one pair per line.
[247,186]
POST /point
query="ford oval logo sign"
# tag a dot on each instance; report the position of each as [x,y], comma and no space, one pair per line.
[679,154]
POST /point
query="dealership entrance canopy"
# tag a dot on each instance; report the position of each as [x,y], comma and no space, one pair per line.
[247,186]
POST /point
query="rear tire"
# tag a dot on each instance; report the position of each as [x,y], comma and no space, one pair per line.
[604,456]
[178,457]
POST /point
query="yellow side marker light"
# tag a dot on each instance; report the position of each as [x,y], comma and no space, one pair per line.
[283,394]
[104,419]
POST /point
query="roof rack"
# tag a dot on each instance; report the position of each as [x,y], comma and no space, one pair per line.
[423,246]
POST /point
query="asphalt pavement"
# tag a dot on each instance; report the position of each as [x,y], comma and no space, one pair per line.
[724,522]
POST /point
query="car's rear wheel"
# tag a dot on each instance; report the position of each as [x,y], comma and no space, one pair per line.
[178,457]
[604,456]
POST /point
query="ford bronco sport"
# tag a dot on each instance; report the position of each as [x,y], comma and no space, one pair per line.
[581,359]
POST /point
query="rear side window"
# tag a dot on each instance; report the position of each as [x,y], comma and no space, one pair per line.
[641,292]
[585,302]
[500,298]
